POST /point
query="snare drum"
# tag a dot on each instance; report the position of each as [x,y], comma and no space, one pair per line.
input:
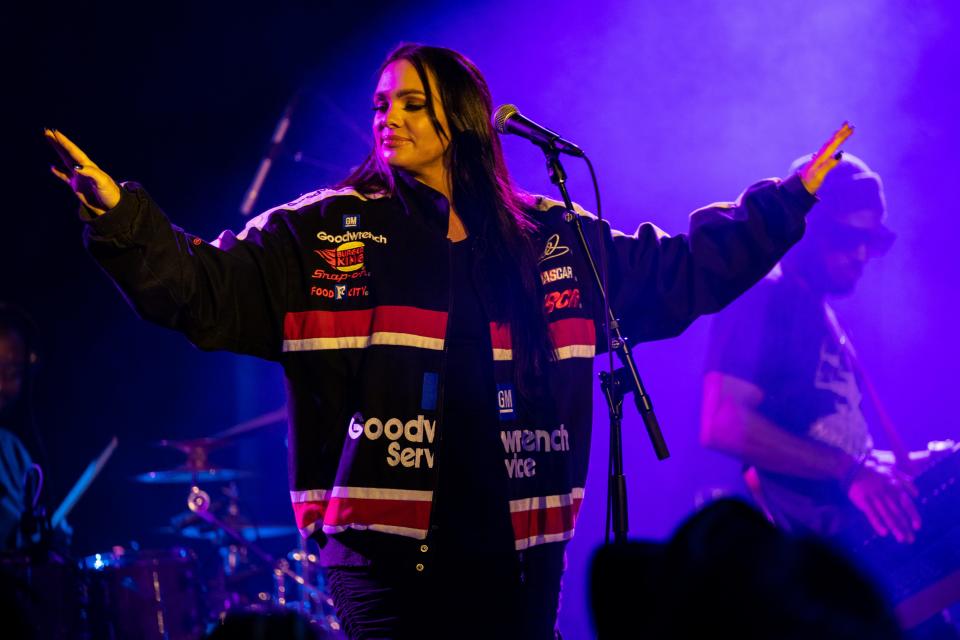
[148,594]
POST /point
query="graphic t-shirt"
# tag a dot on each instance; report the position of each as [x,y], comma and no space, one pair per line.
[780,337]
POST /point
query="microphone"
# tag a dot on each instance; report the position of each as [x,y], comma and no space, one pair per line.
[508,119]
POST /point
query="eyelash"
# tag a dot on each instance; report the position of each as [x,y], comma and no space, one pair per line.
[380,108]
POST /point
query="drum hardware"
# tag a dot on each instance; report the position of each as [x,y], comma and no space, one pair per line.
[174,592]
[198,501]
[191,526]
[312,601]
[307,602]
[168,592]
[315,604]
[143,593]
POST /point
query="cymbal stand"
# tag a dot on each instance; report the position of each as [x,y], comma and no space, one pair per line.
[198,501]
[307,562]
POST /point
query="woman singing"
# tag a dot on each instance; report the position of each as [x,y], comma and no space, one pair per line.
[437,327]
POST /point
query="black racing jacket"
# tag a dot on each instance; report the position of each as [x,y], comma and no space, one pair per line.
[349,293]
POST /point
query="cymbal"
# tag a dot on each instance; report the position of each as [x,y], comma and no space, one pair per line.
[249,532]
[197,449]
[187,446]
[198,459]
[273,417]
[191,475]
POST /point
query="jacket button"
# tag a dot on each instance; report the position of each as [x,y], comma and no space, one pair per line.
[419,566]
[424,548]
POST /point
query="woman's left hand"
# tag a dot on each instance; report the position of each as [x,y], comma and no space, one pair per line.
[823,161]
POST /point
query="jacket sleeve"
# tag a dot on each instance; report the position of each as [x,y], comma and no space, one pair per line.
[659,284]
[228,294]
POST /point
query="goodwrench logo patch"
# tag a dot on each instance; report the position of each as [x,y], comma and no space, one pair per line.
[418,432]
[352,236]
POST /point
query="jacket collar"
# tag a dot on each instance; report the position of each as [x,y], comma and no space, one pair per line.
[419,199]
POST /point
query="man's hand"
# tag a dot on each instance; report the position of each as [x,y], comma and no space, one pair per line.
[95,189]
[885,496]
[823,161]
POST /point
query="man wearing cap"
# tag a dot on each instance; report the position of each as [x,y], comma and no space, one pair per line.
[780,392]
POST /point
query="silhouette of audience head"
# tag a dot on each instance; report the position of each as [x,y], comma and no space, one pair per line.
[727,572]
[279,624]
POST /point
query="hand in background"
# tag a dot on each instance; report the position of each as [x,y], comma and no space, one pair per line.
[885,495]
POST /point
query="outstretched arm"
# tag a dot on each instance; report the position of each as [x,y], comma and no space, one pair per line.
[662,283]
[227,295]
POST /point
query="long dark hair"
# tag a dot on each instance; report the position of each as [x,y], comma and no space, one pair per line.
[482,186]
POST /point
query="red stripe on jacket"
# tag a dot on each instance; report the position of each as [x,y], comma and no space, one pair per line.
[303,325]
[545,521]
[342,511]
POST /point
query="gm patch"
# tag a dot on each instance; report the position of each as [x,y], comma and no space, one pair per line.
[351,221]
[505,402]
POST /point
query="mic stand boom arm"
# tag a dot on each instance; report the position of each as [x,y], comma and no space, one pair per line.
[615,384]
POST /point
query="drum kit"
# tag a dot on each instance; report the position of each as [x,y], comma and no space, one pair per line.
[218,566]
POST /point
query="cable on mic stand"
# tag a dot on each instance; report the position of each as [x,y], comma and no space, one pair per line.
[615,383]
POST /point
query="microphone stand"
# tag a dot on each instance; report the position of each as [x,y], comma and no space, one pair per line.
[618,382]
[273,152]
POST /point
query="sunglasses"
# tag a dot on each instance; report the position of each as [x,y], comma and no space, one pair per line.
[877,240]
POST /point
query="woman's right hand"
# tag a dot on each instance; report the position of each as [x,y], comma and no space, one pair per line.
[96,190]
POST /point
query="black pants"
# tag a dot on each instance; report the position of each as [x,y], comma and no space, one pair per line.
[466,597]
